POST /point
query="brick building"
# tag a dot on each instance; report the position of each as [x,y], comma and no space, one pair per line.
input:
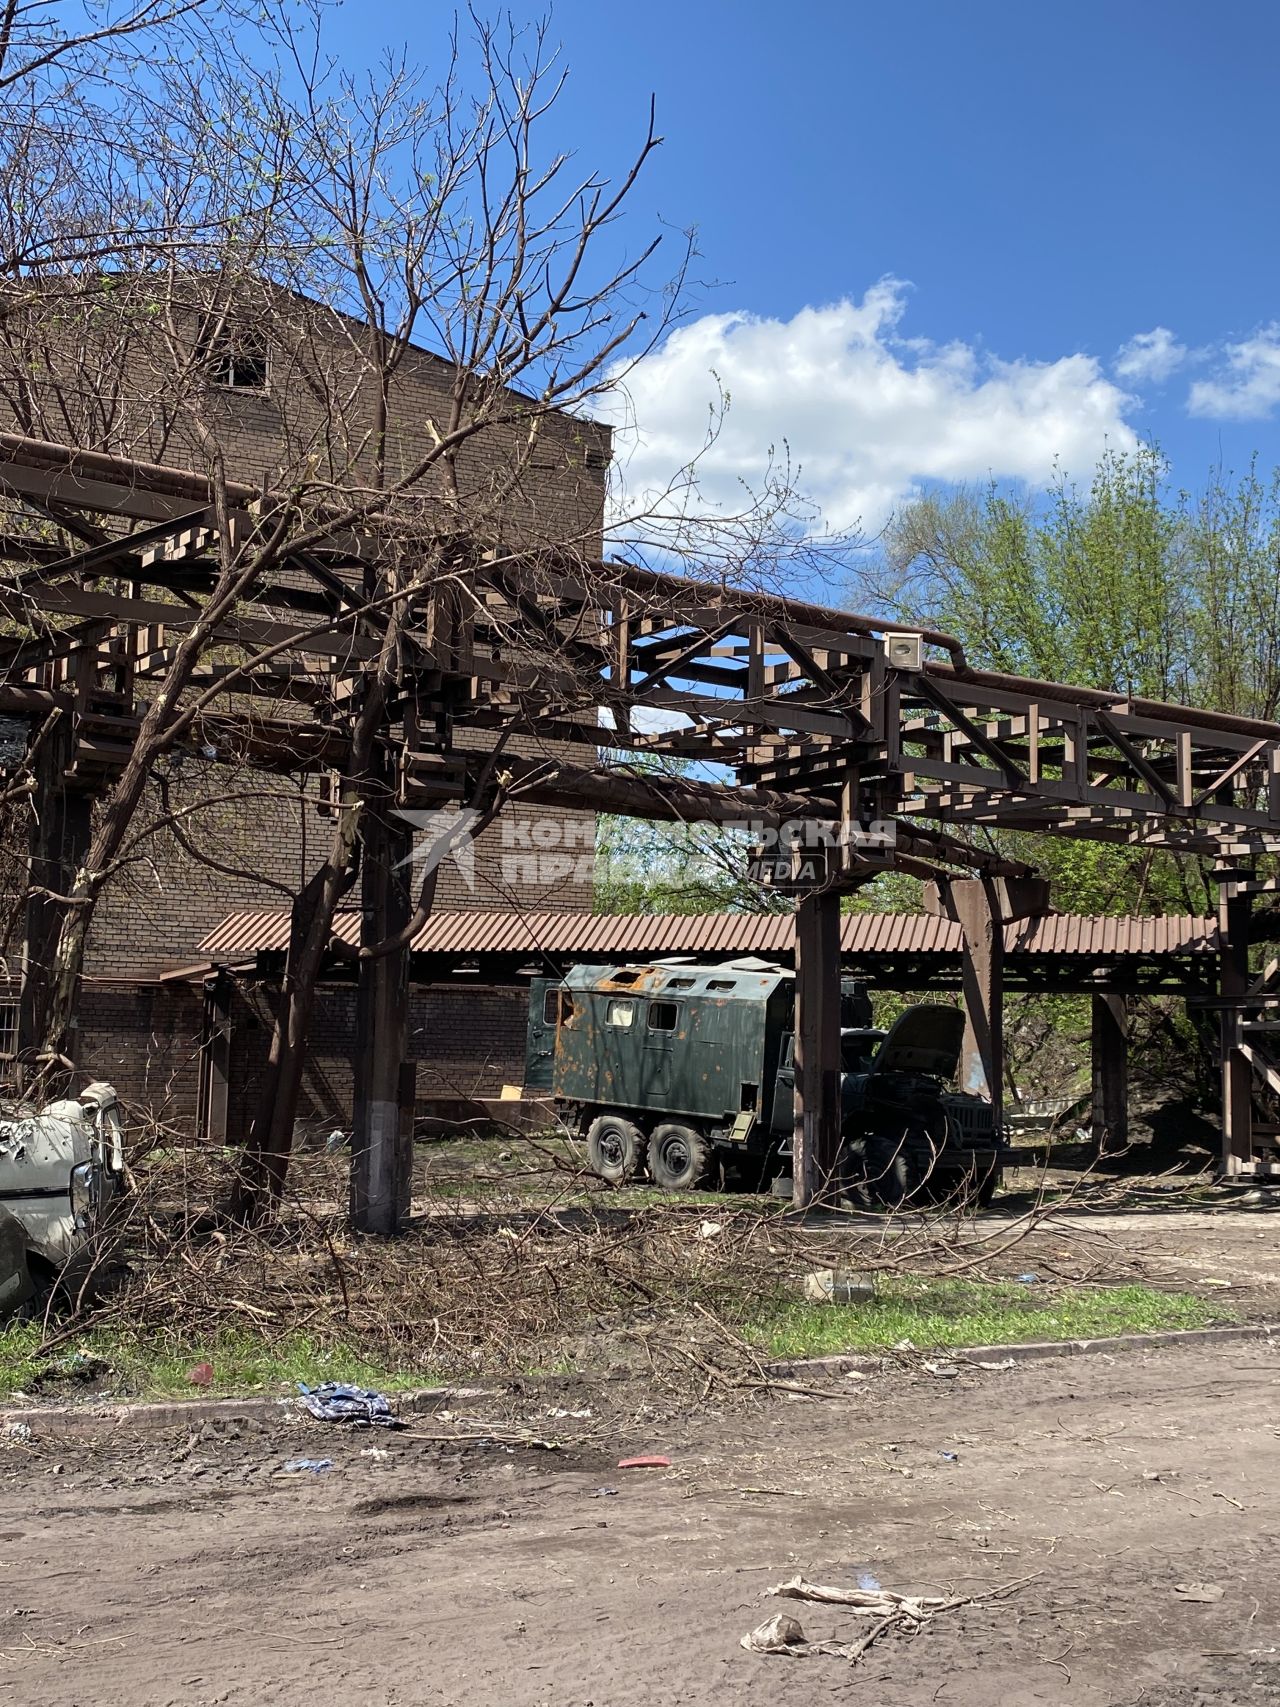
[289,386]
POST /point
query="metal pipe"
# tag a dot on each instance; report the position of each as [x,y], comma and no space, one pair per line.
[117,470]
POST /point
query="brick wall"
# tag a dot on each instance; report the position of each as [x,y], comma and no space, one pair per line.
[116,390]
[467,1042]
[145,1041]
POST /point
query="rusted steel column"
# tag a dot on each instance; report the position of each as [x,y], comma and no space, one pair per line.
[1110,1051]
[382,1137]
[1234,915]
[816,1139]
[215,1061]
[58,841]
[976,905]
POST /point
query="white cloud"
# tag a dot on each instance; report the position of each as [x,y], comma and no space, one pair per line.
[1247,384]
[869,416]
[1150,356]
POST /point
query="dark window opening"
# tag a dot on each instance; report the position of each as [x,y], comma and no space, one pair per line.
[750,1096]
[663,1015]
[557,1007]
[624,977]
[8,1030]
[680,983]
[722,984]
[236,357]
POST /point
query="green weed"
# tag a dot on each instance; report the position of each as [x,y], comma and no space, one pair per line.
[939,1313]
[157,1366]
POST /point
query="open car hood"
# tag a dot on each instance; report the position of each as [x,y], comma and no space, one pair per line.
[925,1039]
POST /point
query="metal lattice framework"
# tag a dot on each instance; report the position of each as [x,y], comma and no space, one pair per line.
[815,713]
[794,698]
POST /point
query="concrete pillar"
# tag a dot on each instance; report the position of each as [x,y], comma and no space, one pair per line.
[1110,1041]
[976,905]
[816,1139]
[382,1138]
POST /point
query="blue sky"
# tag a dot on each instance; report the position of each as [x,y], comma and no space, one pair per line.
[1004,197]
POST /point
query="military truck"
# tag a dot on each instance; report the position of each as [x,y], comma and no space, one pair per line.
[686,1071]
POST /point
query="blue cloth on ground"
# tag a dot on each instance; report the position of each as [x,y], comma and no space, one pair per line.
[334,1401]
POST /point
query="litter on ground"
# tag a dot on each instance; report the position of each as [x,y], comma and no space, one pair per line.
[782,1634]
[334,1401]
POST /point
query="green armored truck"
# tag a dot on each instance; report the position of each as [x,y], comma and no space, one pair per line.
[686,1071]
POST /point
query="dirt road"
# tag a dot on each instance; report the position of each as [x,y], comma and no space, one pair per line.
[189,1571]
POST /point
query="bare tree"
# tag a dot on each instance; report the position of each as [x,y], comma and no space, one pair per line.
[343,248]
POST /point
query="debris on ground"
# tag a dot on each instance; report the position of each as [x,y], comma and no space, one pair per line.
[649,1461]
[837,1286]
[782,1634]
[73,1366]
[334,1401]
[946,1371]
[200,1375]
[300,1466]
[1208,1594]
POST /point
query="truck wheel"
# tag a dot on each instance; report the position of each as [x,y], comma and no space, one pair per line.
[890,1176]
[679,1158]
[613,1148]
[987,1182]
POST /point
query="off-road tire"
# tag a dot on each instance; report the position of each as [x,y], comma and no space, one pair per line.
[679,1157]
[615,1148]
[986,1183]
[900,1170]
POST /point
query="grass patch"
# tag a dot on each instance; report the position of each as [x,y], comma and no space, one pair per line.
[156,1366]
[937,1313]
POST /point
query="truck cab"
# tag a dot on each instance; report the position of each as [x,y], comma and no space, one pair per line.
[61,1170]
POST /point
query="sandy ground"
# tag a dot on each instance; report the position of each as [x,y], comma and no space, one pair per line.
[186,1570]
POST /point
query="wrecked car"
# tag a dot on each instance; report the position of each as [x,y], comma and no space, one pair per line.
[61,1172]
[686,1072]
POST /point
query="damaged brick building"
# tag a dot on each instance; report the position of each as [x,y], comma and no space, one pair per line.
[146,1019]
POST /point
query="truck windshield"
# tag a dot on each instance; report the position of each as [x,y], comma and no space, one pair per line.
[856,1053]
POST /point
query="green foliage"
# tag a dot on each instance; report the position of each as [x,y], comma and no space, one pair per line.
[936,1313]
[1129,585]
[155,1365]
[643,866]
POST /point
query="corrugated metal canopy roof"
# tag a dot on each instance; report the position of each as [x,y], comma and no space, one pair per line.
[608,935]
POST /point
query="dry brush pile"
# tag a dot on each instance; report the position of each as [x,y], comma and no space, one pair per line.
[576,1278]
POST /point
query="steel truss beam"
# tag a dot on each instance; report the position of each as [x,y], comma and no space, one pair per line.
[794,699]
